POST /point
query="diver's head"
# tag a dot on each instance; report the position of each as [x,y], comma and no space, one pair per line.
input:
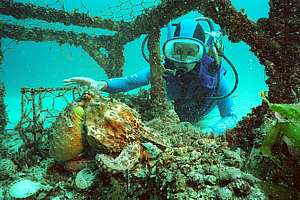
[183,52]
[187,46]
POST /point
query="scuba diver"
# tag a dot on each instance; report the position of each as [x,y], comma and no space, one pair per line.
[194,76]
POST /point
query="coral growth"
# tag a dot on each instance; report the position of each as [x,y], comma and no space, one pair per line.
[194,167]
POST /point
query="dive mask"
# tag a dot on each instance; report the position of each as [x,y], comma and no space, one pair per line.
[184,50]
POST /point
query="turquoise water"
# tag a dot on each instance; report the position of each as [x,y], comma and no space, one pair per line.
[47,64]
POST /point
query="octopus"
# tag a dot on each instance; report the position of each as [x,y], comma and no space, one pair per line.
[110,128]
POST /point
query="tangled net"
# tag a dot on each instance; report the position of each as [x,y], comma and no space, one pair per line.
[40,107]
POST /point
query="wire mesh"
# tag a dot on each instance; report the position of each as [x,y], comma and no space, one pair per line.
[117,10]
[39,109]
[128,10]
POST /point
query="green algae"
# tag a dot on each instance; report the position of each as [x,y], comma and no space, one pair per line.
[287,125]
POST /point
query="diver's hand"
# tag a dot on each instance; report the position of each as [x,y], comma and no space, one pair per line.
[85,81]
[223,124]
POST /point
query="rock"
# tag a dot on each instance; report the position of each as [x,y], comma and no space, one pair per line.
[85,178]
[210,179]
[224,193]
[180,182]
[140,172]
[240,187]
[232,155]
[24,188]
[151,149]
[229,174]
[195,178]
[195,155]
[250,178]
[257,194]
[214,170]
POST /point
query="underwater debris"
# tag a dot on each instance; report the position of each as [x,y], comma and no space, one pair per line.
[142,103]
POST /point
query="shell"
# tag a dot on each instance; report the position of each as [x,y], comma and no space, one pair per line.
[24,188]
[85,178]
[66,141]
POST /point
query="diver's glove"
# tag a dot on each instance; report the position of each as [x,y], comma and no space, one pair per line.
[223,124]
[85,81]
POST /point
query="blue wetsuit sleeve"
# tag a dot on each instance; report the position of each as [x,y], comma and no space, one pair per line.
[225,106]
[127,83]
[226,109]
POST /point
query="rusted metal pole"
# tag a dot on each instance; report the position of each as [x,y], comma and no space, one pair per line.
[34,116]
[3,115]
[157,91]
[1,52]
[19,127]
[29,10]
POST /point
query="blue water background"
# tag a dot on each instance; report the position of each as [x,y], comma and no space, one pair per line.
[47,64]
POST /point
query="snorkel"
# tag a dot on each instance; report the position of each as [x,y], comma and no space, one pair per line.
[209,45]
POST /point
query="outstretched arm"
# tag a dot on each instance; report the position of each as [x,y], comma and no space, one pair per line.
[113,85]
[127,83]
[226,109]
